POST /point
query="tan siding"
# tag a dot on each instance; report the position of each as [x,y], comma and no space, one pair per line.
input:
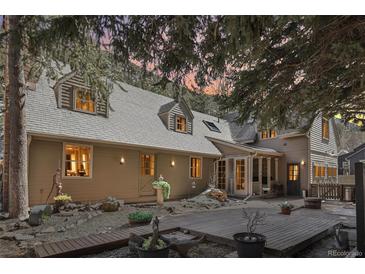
[295,150]
[109,177]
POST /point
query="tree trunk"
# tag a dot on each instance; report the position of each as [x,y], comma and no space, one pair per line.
[18,174]
[5,178]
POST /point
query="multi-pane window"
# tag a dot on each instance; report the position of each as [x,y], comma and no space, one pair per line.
[269,133]
[147,164]
[325,129]
[221,174]
[240,175]
[331,171]
[195,167]
[180,124]
[84,101]
[293,173]
[77,160]
[319,171]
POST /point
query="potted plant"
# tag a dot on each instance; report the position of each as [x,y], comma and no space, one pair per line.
[251,244]
[163,189]
[140,217]
[61,200]
[286,208]
[154,246]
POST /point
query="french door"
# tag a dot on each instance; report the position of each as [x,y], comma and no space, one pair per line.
[240,176]
[220,171]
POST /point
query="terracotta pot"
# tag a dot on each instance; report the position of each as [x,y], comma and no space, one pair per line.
[134,222]
[286,210]
[159,253]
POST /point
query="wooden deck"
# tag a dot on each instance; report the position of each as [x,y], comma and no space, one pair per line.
[286,235]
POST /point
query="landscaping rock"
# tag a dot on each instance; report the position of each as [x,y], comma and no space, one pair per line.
[50,229]
[80,221]
[4,216]
[3,228]
[23,237]
[8,236]
[37,214]
[70,226]
[61,229]
[96,206]
[111,204]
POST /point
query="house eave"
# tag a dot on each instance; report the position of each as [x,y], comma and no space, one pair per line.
[72,138]
[254,150]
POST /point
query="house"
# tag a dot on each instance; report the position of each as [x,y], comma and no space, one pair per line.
[346,162]
[117,146]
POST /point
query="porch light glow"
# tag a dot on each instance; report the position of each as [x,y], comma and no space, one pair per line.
[172,163]
[302,162]
[122,160]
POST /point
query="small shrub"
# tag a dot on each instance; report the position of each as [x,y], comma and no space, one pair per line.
[63,198]
[140,216]
[286,204]
[147,242]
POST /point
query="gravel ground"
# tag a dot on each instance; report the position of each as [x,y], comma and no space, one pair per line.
[203,250]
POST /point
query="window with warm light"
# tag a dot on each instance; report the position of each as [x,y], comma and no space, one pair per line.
[195,167]
[84,101]
[77,160]
[293,173]
[325,129]
[148,165]
[180,124]
[269,133]
[332,171]
[319,171]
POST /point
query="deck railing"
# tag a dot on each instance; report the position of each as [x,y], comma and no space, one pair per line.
[331,191]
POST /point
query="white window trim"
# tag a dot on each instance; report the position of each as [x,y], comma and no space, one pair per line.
[64,161]
[74,102]
[201,168]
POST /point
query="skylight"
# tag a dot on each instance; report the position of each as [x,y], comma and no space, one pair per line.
[211,126]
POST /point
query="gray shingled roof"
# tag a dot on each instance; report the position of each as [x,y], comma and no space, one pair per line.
[133,120]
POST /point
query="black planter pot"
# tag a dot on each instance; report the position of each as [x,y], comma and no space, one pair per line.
[247,248]
[159,253]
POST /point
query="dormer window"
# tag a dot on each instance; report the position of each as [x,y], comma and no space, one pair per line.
[84,101]
[180,124]
[269,133]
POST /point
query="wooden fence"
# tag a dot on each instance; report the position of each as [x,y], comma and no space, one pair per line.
[328,191]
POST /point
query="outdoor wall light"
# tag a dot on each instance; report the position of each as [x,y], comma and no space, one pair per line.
[122,160]
[302,162]
[172,163]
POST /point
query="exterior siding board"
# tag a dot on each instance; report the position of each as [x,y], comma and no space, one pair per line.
[178,111]
[66,95]
[109,178]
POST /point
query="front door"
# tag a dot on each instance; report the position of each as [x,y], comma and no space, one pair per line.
[220,171]
[147,174]
[240,182]
[293,182]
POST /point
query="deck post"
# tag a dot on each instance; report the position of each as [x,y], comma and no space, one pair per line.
[360,206]
[250,174]
[277,170]
[269,173]
[260,174]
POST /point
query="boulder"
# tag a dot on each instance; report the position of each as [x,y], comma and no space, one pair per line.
[8,236]
[50,229]
[37,214]
[111,204]
[23,237]
[4,216]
